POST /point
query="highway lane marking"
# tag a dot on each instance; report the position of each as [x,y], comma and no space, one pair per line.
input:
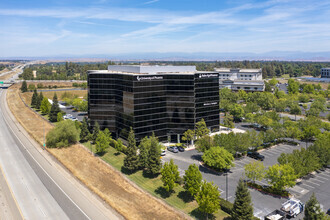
[11,192]
[42,167]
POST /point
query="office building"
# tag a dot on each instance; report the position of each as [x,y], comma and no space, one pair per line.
[236,79]
[325,73]
[167,100]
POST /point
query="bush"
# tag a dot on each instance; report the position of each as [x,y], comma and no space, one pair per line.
[226,206]
[64,134]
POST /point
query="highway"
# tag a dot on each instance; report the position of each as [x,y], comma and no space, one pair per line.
[41,188]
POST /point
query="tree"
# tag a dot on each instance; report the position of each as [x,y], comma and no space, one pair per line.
[170,175]
[293,86]
[293,132]
[309,133]
[218,158]
[34,99]
[204,143]
[102,143]
[54,110]
[192,180]
[228,121]
[131,161]
[313,210]
[59,117]
[208,198]
[237,112]
[295,110]
[45,106]
[154,163]
[39,100]
[281,176]
[24,87]
[201,129]
[119,145]
[96,130]
[242,208]
[188,136]
[144,148]
[64,134]
[84,133]
[255,138]
[255,171]
[273,81]
[322,149]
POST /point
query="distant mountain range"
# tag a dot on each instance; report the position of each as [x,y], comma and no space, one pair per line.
[177,56]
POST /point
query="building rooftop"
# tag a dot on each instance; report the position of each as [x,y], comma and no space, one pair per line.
[229,70]
[155,69]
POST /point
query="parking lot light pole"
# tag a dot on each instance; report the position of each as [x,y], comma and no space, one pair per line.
[226,185]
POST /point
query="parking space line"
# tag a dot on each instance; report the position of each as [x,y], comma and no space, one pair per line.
[324,174]
[309,181]
[318,180]
[286,147]
[309,186]
[322,177]
[268,153]
[277,150]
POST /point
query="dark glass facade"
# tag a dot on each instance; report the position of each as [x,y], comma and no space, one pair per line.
[167,104]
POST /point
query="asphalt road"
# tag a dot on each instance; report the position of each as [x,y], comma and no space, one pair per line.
[42,188]
[263,204]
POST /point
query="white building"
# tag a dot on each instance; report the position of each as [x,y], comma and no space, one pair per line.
[244,79]
[325,73]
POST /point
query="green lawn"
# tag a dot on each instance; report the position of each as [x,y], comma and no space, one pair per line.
[177,199]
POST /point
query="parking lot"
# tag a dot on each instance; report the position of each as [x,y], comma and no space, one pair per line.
[263,204]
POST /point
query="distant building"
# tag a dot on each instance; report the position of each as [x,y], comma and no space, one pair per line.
[34,72]
[236,79]
[325,73]
[166,100]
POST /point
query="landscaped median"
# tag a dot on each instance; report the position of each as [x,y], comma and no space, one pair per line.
[104,180]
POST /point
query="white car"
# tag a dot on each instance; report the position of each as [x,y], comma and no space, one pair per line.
[163,153]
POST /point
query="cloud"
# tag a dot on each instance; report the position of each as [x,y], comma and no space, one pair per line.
[150,2]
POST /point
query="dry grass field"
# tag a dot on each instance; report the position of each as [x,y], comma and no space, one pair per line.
[27,96]
[101,178]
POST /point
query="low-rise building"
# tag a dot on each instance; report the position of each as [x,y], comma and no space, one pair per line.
[325,73]
[241,79]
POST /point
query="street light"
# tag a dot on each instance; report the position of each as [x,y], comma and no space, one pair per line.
[226,185]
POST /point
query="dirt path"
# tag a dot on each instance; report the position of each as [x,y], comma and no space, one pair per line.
[102,179]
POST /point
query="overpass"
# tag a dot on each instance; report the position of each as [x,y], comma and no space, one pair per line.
[6,83]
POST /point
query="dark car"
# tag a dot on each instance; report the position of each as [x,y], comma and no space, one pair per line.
[328,212]
[255,155]
[173,149]
[181,149]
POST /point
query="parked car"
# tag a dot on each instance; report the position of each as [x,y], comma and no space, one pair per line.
[181,149]
[173,149]
[276,215]
[163,153]
[292,207]
[255,155]
[328,212]
[73,119]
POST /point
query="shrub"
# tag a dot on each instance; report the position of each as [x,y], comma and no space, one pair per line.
[226,206]
[64,134]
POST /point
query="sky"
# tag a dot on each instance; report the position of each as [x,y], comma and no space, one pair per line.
[83,27]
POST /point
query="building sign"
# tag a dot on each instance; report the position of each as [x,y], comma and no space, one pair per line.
[210,103]
[148,78]
[208,75]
